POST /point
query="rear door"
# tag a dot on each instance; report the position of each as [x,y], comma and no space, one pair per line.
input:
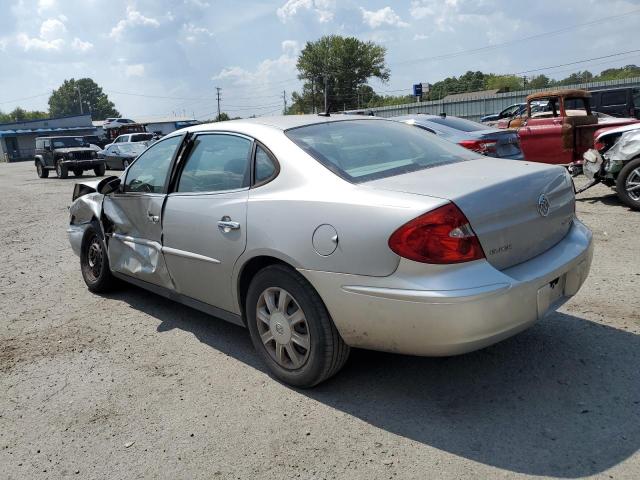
[135,244]
[204,226]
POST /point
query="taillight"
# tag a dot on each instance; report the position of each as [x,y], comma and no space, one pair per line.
[483,147]
[440,236]
[599,146]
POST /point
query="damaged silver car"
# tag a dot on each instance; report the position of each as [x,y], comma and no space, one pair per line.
[323,233]
[615,161]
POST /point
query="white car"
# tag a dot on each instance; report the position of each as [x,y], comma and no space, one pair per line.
[116,122]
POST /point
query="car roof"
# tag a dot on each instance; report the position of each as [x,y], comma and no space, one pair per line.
[61,136]
[280,122]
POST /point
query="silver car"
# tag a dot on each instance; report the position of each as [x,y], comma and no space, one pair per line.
[324,233]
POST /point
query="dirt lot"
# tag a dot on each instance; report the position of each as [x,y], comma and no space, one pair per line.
[133,386]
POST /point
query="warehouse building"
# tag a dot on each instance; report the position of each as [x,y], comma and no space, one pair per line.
[18,139]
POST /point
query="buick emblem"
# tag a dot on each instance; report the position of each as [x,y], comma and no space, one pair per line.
[279,328]
[543,205]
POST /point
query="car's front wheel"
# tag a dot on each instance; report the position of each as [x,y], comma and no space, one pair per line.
[291,328]
[125,164]
[42,172]
[61,170]
[94,262]
[628,184]
[99,170]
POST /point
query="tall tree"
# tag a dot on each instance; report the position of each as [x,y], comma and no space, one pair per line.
[343,64]
[66,100]
[20,114]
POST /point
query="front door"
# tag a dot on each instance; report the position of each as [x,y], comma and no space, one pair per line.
[135,244]
[204,226]
[547,139]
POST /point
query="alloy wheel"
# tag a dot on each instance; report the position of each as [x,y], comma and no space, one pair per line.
[283,328]
[632,184]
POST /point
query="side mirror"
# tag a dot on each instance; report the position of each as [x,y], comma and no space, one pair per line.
[111,185]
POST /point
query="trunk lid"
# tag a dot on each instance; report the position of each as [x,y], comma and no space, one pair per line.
[501,201]
[507,145]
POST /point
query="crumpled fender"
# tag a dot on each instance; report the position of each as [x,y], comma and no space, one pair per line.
[626,148]
[85,208]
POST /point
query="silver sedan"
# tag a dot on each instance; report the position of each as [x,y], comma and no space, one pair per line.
[324,233]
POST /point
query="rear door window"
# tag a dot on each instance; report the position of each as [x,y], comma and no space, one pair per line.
[614,98]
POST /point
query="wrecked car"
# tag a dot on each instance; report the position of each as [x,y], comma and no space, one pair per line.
[320,233]
[564,130]
[615,162]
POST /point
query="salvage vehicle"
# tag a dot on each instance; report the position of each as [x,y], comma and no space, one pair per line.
[511,111]
[118,156]
[320,233]
[618,102]
[475,136]
[560,135]
[64,154]
[615,162]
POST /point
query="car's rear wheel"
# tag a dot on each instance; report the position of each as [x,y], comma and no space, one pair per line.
[77,172]
[42,172]
[94,262]
[628,184]
[291,328]
[99,170]
[61,170]
[125,164]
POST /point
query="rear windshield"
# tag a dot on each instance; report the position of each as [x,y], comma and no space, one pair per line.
[458,123]
[363,150]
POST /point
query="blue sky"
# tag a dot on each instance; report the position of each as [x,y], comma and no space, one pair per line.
[183,49]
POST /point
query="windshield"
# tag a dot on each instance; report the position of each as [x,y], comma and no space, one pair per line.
[66,142]
[363,150]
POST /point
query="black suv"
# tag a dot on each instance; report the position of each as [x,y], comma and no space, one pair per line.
[66,153]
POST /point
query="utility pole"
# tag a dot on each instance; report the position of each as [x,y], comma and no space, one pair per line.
[325,93]
[218,97]
[524,81]
[313,95]
[284,99]
[80,99]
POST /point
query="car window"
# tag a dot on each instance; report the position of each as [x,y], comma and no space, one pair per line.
[149,172]
[363,150]
[507,112]
[264,167]
[614,97]
[216,163]
[140,137]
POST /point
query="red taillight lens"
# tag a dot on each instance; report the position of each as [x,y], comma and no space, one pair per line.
[440,236]
[483,147]
[599,146]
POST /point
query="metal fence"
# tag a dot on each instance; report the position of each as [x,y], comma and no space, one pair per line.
[475,108]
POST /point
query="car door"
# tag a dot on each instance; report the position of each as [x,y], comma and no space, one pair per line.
[135,211]
[47,153]
[544,140]
[204,226]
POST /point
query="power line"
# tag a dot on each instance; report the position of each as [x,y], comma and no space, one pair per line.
[24,98]
[576,62]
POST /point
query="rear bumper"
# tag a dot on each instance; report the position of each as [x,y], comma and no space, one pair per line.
[453,309]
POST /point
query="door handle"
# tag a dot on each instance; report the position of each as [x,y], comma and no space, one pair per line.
[226,224]
[153,218]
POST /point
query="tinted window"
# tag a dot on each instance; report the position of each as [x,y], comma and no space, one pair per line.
[149,172]
[66,142]
[458,123]
[264,165]
[614,98]
[362,150]
[636,97]
[141,137]
[216,163]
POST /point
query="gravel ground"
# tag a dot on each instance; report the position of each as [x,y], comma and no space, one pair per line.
[130,385]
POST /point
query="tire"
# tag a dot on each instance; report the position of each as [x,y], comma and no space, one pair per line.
[630,173]
[99,170]
[77,172]
[42,172]
[94,263]
[125,164]
[61,170]
[326,352]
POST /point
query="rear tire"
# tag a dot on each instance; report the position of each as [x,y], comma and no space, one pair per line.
[42,172]
[94,262]
[125,164]
[291,328]
[629,177]
[99,170]
[62,170]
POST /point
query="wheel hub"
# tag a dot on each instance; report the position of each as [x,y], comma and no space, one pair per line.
[280,328]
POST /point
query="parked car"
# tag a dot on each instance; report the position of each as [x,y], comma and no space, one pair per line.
[324,233]
[510,111]
[119,156]
[64,154]
[560,135]
[116,123]
[618,102]
[135,137]
[615,161]
[475,136]
[114,132]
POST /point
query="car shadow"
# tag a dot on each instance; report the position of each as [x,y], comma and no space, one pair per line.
[609,199]
[561,399]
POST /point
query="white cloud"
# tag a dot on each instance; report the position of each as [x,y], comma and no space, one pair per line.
[44,5]
[36,43]
[52,29]
[134,70]
[290,47]
[192,32]
[133,19]
[420,36]
[324,9]
[384,16]
[81,46]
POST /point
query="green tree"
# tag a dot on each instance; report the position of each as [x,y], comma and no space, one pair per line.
[343,64]
[66,100]
[506,83]
[539,81]
[20,115]
[222,117]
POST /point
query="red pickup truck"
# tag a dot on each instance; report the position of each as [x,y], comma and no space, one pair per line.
[561,131]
